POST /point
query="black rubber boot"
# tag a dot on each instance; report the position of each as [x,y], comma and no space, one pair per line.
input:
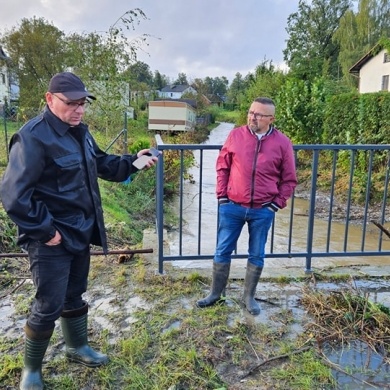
[34,351]
[74,325]
[252,277]
[220,278]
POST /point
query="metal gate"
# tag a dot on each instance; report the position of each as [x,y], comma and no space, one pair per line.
[368,164]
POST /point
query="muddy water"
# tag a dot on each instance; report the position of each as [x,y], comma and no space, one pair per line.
[207,224]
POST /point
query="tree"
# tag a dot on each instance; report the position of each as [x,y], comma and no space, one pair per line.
[37,50]
[300,109]
[217,85]
[181,79]
[311,51]
[359,31]
[139,72]
[236,89]
[159,80]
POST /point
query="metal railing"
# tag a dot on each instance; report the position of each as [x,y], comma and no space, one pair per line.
[308,231]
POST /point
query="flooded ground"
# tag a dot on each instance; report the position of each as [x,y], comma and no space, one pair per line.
[354,365]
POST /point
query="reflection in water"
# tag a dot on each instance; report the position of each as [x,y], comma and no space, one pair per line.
[203,225]
[367,369]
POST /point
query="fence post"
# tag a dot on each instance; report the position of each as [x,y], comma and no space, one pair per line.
[125,142]
[5,133]
[310,228]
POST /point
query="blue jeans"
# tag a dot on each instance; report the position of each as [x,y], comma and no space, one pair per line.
[60,279]
[232,218]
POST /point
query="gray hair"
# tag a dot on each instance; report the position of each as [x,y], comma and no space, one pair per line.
[264,100]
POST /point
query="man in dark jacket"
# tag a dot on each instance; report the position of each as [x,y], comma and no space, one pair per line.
[50,190]
[255,178]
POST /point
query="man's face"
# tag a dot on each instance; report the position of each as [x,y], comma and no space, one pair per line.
[260,116]
[69,111]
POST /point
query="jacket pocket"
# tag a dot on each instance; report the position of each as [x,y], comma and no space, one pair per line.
[70,172]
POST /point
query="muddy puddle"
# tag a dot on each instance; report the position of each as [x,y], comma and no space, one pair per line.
[354,365]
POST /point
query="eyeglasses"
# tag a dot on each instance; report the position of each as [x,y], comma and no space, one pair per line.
[258,116]
[73,105]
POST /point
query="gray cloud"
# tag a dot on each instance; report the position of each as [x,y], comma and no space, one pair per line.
[199,38]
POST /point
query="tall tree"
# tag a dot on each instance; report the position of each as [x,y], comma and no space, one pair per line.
[359,31]
[236,89]
[37,50]
[158,82]
[181,79]
[139,72]
[310,50]
[216,85]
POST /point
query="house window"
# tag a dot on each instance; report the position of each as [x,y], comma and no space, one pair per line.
[2,78]
[385,83]
[386,57]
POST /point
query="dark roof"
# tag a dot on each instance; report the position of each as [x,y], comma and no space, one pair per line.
[214,98]
[175,88]
[355,69]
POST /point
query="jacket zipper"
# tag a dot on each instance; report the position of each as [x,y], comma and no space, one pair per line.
[257,150]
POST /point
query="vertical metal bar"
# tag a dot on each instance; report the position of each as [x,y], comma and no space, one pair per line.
[200,200]
[125,143]
[384,200]
[367,200]
[335,155]
[290,230]
[160,211]
[310,227]
[351,173]
[272,241]
[291,224]
[6,134]
[181,191]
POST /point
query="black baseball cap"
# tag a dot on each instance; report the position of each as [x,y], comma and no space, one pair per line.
[69,85]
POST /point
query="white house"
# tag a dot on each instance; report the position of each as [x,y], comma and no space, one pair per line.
[373,70]
[4,79]
[170,115]
[175,91]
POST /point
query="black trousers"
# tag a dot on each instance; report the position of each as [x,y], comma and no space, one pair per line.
[60,279]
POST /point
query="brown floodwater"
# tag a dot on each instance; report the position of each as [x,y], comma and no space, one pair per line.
[208,224]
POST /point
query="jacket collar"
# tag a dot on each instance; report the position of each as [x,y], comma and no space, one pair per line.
[270,130]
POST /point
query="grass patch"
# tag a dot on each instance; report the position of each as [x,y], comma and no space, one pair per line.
[346,315]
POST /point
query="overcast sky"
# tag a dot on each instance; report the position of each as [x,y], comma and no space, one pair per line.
[197,37]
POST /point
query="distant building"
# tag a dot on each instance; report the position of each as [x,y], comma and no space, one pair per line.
[214,100]
[373,70]
[175,91]
[5,90]
[171,115]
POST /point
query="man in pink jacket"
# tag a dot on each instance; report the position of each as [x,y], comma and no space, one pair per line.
[255,178]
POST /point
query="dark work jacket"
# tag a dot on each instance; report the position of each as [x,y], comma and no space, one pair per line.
[51,183]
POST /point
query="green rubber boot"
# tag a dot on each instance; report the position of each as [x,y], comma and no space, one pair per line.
[252,277]
[34,351]
[74,325]
[220,278]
